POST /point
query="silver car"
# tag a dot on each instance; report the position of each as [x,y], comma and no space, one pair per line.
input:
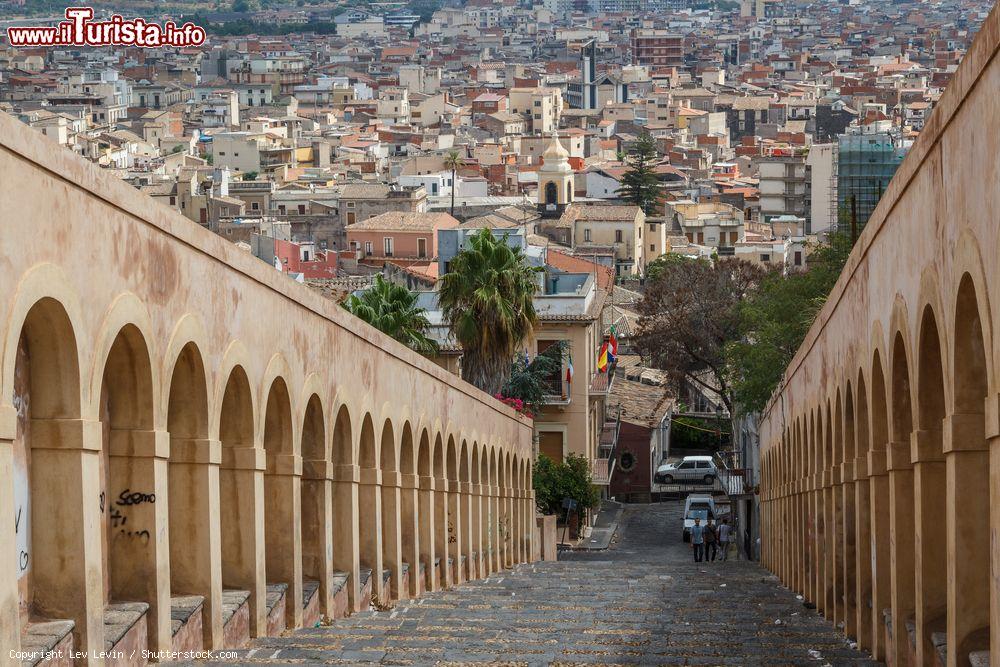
[692,470]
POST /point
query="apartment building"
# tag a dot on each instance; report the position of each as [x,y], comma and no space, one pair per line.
[657,47]
[784,186]
[711,224]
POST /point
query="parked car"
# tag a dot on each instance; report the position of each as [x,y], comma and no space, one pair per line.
[691,469]
[697,507]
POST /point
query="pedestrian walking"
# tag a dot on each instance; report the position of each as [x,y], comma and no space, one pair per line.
[710,537]
[698,540]
[724,531]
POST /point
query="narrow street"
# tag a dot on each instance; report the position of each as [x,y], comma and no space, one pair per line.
[642,602]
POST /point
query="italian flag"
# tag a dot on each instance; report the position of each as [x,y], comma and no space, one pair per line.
[569,370]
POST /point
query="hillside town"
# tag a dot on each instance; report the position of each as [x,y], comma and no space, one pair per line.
[382,146]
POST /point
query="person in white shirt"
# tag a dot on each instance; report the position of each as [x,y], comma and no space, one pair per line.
[724,531]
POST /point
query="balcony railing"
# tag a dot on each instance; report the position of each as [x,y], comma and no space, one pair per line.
[600,383]
[558,393]
[601,471]
[733,481]
[607,448]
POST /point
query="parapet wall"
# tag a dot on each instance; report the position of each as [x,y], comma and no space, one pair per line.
[178,419]
[881,449]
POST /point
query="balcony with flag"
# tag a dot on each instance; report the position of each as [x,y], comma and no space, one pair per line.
[607,359]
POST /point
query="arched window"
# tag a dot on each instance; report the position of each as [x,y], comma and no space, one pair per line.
[551,193]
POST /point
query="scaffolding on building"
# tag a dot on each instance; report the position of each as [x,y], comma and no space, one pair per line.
[865,164]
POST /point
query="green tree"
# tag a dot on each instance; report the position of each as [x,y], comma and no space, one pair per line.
[689,313]
[531,382]
[250,176]
[246,5]
[392,309]
[775,319]
[487,299]
[639,184]
[570,479]
[454,162]
[662,263]
[425,8]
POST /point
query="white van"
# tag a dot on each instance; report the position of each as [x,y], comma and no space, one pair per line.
[697,507]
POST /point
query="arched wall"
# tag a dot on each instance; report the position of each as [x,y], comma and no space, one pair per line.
[220,476]
[904,361]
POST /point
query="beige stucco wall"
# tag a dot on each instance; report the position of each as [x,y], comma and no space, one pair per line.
[85,257]
[603,233]
[576,419]
[881,450]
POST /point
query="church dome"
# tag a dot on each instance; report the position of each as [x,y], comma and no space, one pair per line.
[555,157]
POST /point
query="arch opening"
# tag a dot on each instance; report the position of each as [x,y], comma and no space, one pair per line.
[192,479]
[51,581]
[968,477]
[369,501]
[317,497]
[130,476]
[237,497]
[930,490]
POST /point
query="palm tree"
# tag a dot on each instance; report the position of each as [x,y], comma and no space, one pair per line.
[392,309]
[454,162]
[487,299]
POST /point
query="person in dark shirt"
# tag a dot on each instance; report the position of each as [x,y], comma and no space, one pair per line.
[710,539]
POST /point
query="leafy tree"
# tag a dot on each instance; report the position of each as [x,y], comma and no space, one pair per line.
[661,263]
[698,433]
[775,319]
[454,162]
[688,314]
[250,176]
[487,299]
[246,5]
[529,381]
[639,184]
[570,479]
[425,8]
[392,309]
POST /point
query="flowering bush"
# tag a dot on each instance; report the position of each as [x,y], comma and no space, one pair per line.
[515,403]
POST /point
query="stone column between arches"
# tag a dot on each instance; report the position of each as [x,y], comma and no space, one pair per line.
[346,477]
[428,531]
[441,515]
[284,498]
[454,534]
[196,562]
[901,556]
[410,530]
[392,548]
[141,572]
[241,484]
[317,529]
[494,526]
[467,549]
[370,530]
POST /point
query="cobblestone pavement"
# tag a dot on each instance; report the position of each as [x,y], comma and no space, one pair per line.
[642,602]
